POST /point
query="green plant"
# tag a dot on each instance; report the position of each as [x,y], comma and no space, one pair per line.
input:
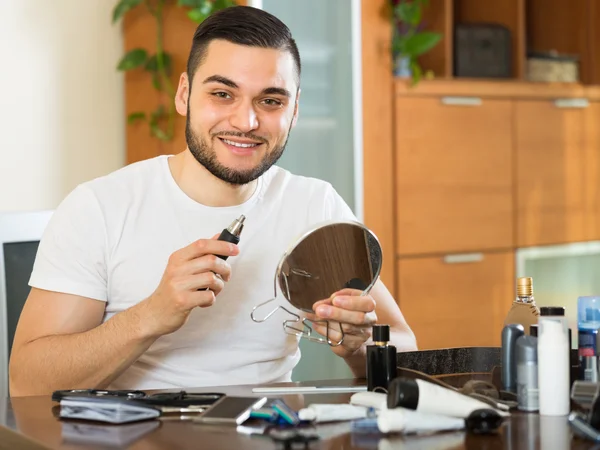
[159,63]
[408,40]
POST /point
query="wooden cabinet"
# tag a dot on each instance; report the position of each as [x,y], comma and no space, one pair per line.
[592,171]
[453,174]
[457,301]
[557,157]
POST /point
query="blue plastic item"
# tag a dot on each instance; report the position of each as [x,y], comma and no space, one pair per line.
[588,323]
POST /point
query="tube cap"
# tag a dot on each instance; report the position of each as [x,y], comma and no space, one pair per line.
[552,311]
[381,333]
[403,392]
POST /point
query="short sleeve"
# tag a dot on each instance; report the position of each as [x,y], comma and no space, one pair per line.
[71,255]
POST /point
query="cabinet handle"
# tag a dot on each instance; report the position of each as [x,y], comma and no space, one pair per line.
[462,101]
[463,258]
[571,103]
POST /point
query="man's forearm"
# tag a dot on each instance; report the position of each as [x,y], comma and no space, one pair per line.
[87,360]
[403,340]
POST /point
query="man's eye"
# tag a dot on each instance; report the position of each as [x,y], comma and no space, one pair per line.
[272,102]
[221,94]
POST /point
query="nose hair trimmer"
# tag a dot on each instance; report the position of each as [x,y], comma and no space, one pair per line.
[232,233]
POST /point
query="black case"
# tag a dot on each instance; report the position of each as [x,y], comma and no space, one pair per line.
[482,51]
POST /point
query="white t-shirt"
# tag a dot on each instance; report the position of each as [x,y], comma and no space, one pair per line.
[110,240]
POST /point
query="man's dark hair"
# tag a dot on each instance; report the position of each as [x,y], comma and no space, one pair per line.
[242,25]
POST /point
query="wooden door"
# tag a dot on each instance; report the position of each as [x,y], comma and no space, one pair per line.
[550,169]
[457,300]
[592,174]
[453,174]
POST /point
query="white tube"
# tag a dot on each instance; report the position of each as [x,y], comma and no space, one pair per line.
[330,413]
[426,397]
[375,400]
[553,366]
[406,421]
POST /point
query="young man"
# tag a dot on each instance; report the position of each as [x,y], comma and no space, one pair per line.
[119,293]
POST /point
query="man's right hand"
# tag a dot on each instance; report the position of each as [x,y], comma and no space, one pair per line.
[183,287]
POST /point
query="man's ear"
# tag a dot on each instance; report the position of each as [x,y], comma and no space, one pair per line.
[295,118]
[182,95]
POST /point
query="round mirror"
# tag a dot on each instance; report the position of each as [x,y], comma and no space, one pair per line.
[327,259]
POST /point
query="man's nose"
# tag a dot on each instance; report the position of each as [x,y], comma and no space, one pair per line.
[244,117]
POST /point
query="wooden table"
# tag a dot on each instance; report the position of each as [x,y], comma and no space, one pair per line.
[29,423]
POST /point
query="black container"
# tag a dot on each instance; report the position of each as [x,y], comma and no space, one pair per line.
[381,360]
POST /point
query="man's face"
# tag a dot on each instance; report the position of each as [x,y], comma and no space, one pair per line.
[240,109]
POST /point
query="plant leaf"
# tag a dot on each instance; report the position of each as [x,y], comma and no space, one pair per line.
[198,15]
[157,132]
[155,129]
[152,63]
[133,59]
[416,71]
[409,12]
[191,3]
[222,4]
[122,7]
[420,43]
[135,117]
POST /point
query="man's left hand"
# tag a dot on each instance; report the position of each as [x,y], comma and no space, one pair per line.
[353,311]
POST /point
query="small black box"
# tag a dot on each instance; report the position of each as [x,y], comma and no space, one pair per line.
[482,51]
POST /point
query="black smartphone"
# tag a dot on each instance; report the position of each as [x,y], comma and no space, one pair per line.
[231,410]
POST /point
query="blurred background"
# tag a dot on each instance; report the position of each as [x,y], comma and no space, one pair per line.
[465,133]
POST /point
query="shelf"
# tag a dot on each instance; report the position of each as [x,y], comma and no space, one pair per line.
[495,88]
[569,27]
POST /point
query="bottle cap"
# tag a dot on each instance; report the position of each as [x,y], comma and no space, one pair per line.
[552,311]
[381,333]
[525,287]
[527,350]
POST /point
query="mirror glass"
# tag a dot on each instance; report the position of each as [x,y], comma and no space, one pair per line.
[327,259]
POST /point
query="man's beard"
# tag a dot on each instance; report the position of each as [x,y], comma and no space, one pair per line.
[206,155]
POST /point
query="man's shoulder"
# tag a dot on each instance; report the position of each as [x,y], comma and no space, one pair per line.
[132,179]
[132,173]
[283,178]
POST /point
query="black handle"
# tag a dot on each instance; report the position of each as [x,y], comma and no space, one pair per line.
[228,237]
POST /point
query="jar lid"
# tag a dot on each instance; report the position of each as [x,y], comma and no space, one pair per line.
[552,311]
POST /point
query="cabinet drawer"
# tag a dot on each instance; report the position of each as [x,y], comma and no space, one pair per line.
[453,175]
[457,300]
[551,165]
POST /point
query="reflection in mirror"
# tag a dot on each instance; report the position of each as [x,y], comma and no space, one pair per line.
[326,259]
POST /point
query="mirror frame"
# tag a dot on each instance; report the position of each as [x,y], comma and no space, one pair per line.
[290,326]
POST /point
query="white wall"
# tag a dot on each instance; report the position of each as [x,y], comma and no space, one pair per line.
[61,99]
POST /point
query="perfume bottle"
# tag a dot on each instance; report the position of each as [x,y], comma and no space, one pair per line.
[523,311]
[381,360]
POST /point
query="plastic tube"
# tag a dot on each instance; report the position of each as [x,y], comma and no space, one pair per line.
[553,366]
[329,413]
[407,421]
[377,400]
[426,397]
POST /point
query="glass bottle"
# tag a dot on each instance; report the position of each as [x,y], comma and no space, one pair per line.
[381,360]
[523,311]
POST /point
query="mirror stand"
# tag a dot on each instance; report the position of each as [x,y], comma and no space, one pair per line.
[290,326]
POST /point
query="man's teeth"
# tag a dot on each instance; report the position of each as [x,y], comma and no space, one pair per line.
[239,144]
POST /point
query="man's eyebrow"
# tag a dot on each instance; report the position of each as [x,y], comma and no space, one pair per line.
[232,84]
[277,91]
[220,79]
